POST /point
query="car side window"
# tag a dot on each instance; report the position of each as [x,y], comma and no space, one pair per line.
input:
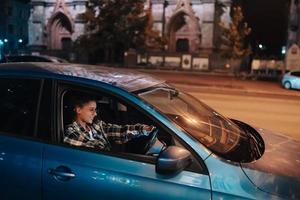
[18,105]
[296,73]
[45,111]
[293,73]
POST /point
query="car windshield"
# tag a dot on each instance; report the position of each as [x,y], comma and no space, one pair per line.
[216,132]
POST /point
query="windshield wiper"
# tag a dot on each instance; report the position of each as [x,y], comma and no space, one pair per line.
[172,91]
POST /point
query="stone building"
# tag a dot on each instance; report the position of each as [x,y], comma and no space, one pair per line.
[294,24]
[54,24]
[190,25]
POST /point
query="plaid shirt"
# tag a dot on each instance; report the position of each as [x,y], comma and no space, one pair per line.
[102,134]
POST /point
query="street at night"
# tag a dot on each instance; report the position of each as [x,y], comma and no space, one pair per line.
[149,99]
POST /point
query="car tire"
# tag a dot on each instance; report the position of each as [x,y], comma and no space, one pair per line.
[287,85]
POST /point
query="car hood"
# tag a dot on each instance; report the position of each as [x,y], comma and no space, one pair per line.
[278,170]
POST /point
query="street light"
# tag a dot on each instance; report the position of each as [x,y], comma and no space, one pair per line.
[5,45]
[283,50]
[20,44]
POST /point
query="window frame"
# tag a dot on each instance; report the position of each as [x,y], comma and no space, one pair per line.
[64,85]
[47,82]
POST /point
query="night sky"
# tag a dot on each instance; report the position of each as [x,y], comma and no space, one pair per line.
[268,20]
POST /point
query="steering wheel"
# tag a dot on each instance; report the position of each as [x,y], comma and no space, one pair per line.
[151,140]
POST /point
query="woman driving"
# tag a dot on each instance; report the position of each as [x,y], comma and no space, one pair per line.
[85,131]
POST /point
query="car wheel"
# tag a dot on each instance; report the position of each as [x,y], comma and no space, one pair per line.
[287,85]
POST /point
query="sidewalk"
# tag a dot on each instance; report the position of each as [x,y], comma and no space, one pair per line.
[223,84]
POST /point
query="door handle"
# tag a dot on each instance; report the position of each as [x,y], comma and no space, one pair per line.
[61,173]
[58,173]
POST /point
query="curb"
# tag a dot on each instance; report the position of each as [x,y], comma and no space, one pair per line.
[235,91]
[186,72]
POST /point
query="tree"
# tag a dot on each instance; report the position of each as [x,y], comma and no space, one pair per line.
[233,36]
[220,9]
[114,26]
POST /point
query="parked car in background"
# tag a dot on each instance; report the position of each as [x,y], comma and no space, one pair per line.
[32,58]
[195,152]
[291,80]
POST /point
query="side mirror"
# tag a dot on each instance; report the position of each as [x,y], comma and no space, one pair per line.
[173,160]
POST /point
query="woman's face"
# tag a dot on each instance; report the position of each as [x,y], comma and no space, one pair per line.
[87,112]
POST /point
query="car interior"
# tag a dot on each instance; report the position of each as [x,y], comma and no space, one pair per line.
[110,110]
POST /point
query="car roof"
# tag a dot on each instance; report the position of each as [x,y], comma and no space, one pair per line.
[129,80]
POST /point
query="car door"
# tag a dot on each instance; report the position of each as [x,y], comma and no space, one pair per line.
[71,173]
[20,153]
[82,173]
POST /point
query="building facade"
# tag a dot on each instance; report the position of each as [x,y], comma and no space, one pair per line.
[294,24]
[55,24]
[14,16]
[189,25]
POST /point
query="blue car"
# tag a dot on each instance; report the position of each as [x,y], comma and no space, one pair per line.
[291,80]
[193,153]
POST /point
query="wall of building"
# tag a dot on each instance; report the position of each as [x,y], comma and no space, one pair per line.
[204,13]
[200,14]
[41,13]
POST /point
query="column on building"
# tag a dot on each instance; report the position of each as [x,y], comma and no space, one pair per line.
[294,23]
[36,25]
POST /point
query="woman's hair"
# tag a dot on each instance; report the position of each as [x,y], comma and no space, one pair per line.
[73,99]
[80,101]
